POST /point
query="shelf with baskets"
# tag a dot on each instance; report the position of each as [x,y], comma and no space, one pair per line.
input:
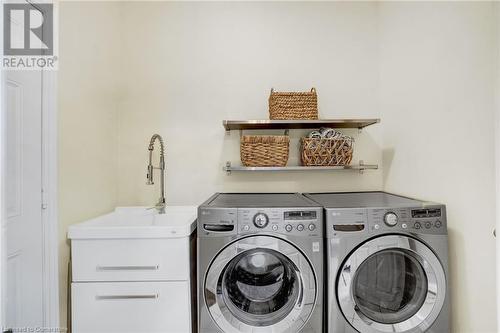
[231,125]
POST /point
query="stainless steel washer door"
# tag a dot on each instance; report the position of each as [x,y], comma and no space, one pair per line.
[391,284]
[260,284]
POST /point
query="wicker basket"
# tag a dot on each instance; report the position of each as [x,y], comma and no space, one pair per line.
[293,105]
[264,150]
[326,152]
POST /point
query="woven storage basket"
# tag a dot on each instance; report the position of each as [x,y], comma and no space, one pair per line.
[264,150]
[293,105]
[326,152]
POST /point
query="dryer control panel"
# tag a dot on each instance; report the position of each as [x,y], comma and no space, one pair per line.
[428,220]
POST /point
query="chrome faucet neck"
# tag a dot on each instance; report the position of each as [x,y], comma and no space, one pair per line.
[161,202]
[152,144]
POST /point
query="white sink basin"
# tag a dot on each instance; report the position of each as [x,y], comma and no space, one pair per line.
[138,222]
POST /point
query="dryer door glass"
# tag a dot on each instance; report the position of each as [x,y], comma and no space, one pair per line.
[390,286]
[260,286]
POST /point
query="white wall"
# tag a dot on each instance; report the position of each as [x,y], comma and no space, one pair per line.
[191,65]
[88,92]
[437,100]
[179,69]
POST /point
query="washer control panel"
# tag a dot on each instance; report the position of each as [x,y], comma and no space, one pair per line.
[296,222]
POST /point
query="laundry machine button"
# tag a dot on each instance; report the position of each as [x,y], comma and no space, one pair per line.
[246,227]
[300,227]
[438,224]
[376,227]
[275,227]
[428,225]
[404,225]
[311,227]
[417,225]
[288,227]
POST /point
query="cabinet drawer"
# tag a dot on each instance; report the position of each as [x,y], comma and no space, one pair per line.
[107,307]
[130,259]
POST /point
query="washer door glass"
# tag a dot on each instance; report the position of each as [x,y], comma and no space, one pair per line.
[390,286]
[260,287]
[260,284]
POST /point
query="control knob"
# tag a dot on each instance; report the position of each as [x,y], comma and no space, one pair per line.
[391,219]
[260,220]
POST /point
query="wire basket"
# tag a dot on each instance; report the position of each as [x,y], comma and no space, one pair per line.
[326,152]
[264,150]
[293,105]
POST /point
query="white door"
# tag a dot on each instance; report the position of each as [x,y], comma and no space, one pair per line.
[22,226]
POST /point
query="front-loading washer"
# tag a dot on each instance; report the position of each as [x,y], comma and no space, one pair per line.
[260,264]
[387,263]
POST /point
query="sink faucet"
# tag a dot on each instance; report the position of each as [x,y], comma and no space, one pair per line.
[161,202]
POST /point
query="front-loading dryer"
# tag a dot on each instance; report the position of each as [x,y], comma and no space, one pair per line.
[260,264]
[387,263]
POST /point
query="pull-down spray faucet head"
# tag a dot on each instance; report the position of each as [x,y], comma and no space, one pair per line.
[149,175]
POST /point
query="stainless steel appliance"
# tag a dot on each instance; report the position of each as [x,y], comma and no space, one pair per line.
[387,263]
[260,264]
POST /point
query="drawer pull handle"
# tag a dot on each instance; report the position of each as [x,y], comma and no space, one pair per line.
[111,297]
[128,268]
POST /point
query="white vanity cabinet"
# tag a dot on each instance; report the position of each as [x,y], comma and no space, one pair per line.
[134,271]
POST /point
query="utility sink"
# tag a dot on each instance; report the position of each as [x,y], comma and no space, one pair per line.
[138,222]
[132,270]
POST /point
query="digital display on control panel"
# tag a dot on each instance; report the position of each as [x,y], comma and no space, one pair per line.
[300,215]
[424,213]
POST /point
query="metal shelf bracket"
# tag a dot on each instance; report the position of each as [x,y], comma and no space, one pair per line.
[361,166]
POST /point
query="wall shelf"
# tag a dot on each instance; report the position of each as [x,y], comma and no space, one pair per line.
[230,125]
[358,167]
